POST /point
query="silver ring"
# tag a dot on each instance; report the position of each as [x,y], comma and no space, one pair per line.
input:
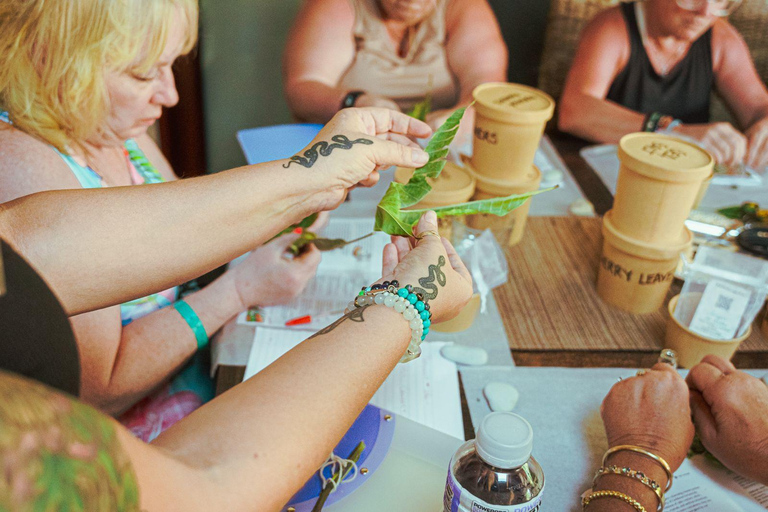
[620,379]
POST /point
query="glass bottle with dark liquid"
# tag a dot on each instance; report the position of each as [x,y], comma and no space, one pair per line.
[495,472]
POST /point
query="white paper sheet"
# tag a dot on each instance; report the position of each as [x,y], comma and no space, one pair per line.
[702,487]
[425,390]
[563,406]
[339,277]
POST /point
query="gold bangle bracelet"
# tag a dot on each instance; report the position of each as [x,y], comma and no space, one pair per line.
[637,475]
[612,494]
[642,451]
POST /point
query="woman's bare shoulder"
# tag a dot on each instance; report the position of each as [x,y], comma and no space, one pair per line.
[608,23]
[28,165]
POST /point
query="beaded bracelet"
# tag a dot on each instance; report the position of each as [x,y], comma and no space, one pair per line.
[637,475]
[612,494]
[642,451]
[411,305]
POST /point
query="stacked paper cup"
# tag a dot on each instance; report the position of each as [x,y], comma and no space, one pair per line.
[509,122]
[644,234]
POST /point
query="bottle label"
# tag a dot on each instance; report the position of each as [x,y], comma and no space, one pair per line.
[456,499]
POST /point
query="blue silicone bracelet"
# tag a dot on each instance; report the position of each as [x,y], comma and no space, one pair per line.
[193,321]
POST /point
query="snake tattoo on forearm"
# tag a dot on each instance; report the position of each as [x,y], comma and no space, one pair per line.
[429,289]
[323,148]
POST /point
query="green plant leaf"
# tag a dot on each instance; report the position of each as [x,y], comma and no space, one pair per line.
[422,108]
[402,196]
[305,223]
[394,221]
[732,212]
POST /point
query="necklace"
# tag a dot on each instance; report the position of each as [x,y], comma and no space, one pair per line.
[671,60]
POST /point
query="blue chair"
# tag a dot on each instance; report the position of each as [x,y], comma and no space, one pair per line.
[269,143]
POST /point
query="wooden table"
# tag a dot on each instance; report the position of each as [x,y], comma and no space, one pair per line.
[572,327]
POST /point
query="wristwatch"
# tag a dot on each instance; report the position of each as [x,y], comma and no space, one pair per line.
[350,98]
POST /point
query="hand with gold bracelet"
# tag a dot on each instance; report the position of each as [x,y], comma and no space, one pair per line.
[650,414]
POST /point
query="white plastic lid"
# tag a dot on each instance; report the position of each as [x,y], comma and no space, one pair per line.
[504,440]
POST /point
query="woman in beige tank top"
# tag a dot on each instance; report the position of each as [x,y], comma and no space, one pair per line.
[390,53]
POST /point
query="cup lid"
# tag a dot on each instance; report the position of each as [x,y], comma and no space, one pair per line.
[664,157]
[644,249]
[504,440]
[454,185]
[513,102]
[529,182]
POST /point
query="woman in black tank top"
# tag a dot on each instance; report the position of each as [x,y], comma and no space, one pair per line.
[652,65]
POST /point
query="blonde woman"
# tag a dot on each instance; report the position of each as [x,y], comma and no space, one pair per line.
[80,83]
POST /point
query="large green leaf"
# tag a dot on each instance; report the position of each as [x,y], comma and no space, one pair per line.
[417,187]
[394,221]
[391,218]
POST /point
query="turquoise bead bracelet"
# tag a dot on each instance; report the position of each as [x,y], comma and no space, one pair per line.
[404,300]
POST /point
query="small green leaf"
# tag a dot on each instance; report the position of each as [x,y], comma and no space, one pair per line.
[305,223]
[732,212]
[305,238]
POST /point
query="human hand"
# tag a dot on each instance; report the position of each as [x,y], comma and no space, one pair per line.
[354,146]
[757,152]
[650,411]
[727,145]
[368,99]
[729,409]
[431,265]
[266,277]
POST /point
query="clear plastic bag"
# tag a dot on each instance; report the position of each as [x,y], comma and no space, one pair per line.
[484,258]
[722,294]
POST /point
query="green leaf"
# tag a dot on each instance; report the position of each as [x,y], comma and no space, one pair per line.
[392,220]
[402,196]
[305,238]
[305,223]
[732,212]
[422,108]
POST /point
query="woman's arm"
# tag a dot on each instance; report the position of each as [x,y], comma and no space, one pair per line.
[319,50]
[742,88]
[602,53]
[254,446]
[117,371]
[474,46]
[736,78]
[207,221]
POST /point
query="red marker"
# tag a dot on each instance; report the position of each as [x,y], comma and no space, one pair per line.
[308,319]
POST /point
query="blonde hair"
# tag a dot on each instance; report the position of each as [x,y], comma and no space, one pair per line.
[55,54]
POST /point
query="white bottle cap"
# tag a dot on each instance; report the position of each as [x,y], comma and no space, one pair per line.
[504,440]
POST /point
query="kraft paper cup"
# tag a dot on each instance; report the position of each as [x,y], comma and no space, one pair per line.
[509,122]
[659,179]
[633,275]
[702,191]
[463,320]
[455,185]
[511,227]
[692,347]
